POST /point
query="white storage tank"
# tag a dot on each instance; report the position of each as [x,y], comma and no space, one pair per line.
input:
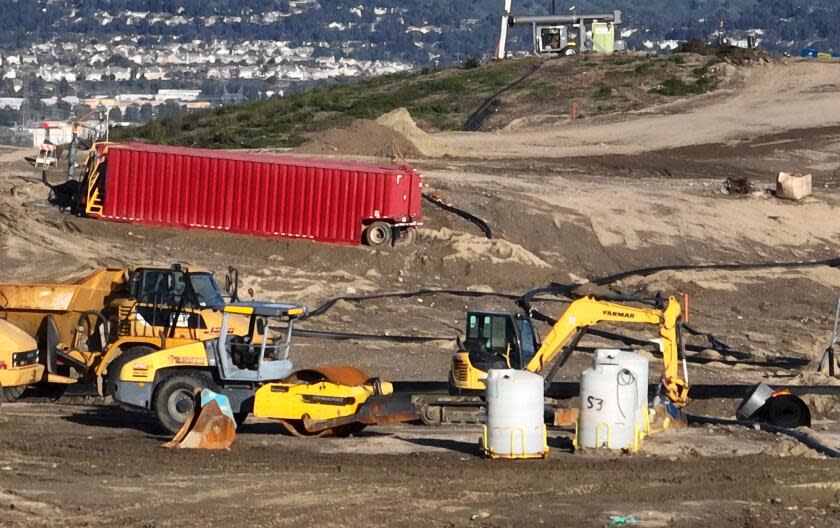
[612,403]
[638,365]
[515,426]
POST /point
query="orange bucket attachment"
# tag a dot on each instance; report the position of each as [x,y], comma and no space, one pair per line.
[210,424]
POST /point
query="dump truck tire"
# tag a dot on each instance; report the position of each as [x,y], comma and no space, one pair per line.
[173,398]
[10,394]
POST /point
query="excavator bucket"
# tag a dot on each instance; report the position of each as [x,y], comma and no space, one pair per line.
[210,424]
[666,415]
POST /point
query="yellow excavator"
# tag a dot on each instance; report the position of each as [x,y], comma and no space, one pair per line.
[18,357]
[505,340]
[255,375]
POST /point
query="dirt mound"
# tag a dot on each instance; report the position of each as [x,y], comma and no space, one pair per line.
[476,249]
[400,121]
[361,138]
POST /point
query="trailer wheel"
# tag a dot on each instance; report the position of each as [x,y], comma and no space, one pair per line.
[407,237]
[568,51]
[173,399]
[378,234]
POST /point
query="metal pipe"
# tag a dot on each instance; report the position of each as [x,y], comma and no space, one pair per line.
[615,17]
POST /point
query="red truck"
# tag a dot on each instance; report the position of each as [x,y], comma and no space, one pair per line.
[251,193]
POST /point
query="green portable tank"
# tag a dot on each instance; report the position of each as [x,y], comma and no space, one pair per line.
[603,37]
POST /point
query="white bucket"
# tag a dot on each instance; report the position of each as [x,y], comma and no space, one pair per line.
[515,426]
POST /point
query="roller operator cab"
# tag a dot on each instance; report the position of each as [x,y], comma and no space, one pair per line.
[492,340]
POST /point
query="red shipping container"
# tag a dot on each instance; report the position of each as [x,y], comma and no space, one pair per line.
[254,193]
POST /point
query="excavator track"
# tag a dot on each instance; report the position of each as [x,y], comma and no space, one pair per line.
[441,410]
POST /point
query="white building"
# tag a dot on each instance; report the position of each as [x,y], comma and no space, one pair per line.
[177,95]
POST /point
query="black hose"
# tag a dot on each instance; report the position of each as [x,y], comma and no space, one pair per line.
[742,357]
[566,292]
[803,438]
[557,288]
[643,272]
[327,306]
[491,104]
[106,325]
[524,300]
[438,201]
[344,336]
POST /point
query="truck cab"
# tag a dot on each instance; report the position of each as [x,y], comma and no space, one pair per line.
[83,325]
[169,298]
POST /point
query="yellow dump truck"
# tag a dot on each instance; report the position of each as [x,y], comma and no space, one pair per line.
[19,352]
[102,320]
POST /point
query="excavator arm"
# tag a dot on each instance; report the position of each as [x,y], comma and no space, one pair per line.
[588,311]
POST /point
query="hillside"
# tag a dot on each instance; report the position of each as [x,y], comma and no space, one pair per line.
[443,100]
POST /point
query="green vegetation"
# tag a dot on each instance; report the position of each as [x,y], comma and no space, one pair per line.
[440,99]
[676,86]
[603,92]
[643,68]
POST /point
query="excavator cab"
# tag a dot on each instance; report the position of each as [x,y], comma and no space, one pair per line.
[492,340]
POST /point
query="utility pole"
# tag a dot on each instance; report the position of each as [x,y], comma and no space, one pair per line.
[501,47]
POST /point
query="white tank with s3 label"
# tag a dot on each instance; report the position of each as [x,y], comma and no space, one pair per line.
[613,399]
[638,365]
[515,426]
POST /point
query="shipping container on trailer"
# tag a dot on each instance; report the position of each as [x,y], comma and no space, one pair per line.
[254,193]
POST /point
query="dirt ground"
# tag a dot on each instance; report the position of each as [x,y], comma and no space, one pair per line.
[616,193]
[94,466]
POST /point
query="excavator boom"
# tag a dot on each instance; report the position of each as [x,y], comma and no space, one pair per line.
[588,311]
